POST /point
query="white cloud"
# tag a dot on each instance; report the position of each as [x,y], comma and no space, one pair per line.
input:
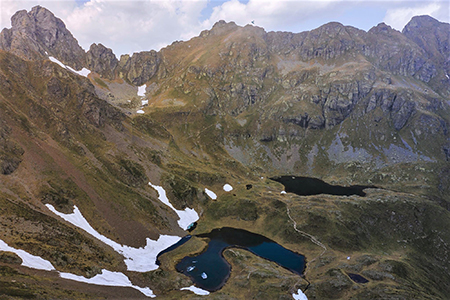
[131,26]
[272,15]
[398,17]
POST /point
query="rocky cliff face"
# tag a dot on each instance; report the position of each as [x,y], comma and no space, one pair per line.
[432,36]
[101,60]
[322,75]
[34,33]
[315,80]
[140,67]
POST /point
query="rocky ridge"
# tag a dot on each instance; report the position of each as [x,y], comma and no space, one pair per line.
[38,32]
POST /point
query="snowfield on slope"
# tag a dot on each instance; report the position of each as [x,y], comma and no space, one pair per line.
[227,188]
[211,194]
[28,260]
[84,72]
[106,278]
[195,290]
[136,259]
[141,90]
[187,216]
[300,295]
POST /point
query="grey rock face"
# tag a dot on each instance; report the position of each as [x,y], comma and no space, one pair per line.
[394,52]
[39,31]
[402,109]
[101,60]
[305,80]
[434,38]
[140,67]
[431,35]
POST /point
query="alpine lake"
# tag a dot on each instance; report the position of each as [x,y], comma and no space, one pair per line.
[209,270]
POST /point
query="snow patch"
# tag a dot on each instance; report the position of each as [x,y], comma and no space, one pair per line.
[195,290]
[283,192]
[140,111]
[144,102]
[227,188]
[211,194]
[136,259]
[141,90]
[109,278]
[190,268]
[186,216]
[300,295]
[28,260]
[57,61]
[446,75]
[84,72]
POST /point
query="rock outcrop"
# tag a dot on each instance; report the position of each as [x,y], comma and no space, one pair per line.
[434,38]
[431,35]
[140,67]
[101,60]
[34,33]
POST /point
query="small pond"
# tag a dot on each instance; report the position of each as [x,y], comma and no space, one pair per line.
[306,186]
[209,270]
[357,278]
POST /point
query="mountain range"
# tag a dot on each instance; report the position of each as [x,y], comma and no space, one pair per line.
[235,105]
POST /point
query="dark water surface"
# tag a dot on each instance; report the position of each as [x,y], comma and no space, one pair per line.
[209,270]
[306,186]
[357,278]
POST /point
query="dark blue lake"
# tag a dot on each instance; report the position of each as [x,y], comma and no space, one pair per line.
[209,270]
[305,186]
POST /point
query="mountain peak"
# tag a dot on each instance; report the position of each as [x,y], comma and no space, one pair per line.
[101,60]
[432,36]
[224,24]
[40,11]
[382,28]
[34,33]
[421,21]
[219,28]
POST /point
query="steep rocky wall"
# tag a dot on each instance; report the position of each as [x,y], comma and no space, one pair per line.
[34,33]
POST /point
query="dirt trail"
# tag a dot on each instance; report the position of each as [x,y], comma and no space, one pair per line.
[311,237]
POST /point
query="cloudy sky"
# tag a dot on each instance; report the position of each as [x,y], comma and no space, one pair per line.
[132,26]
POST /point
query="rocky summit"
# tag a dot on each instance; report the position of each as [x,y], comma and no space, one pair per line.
[104,161]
